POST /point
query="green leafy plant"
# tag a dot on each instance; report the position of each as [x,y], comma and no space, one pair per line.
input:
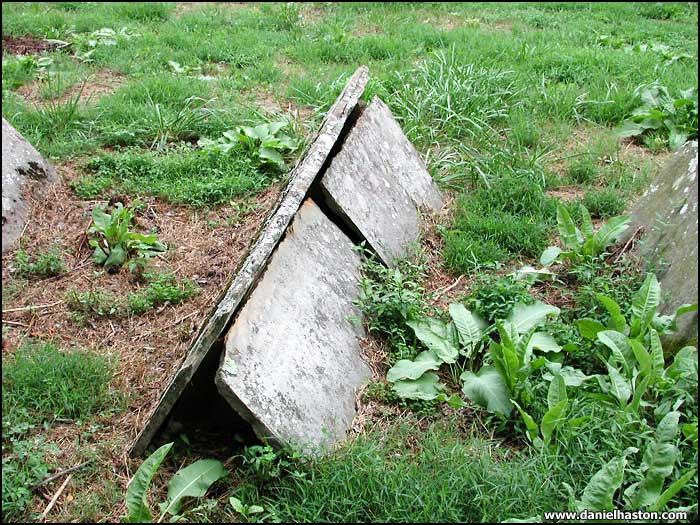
[45,264]
[583,243]
[493,297]
[388,298]
[657,465]
[264,143]
[192,481]
[114,242]
[161,288]
[462,335]
[167,126]
[636,359]
[505,376]
[247,511]
[675,119]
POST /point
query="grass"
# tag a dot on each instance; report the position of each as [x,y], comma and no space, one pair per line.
[42,384]
[506,102]
[161,288]
[44,264]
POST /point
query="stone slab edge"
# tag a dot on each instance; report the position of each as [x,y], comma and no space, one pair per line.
[301,178]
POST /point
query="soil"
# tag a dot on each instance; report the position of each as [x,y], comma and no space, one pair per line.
[25,45]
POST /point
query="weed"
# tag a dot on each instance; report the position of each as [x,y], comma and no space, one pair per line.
[191,481]
[23,465]
[583,172]
[161,288]
[45,264]
[492,297]
[115,242]
[388,299]
[263,143]
[674,120]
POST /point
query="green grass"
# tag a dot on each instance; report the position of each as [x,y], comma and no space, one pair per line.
[444,476]
[42,383]
[44,264]
[160,288]
[180,176]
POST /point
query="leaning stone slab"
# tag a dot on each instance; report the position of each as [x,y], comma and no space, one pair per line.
[668,214]
[292,363]
[24,171]
[377,183]
[301,178]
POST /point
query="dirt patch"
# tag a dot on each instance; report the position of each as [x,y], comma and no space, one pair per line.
[206,246]
[566,193]
[440,284]
[25,45]
[101,83]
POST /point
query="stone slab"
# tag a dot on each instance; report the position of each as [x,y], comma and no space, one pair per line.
[24,171]
[292,365]
[668,214]
[300,179]
[377,183]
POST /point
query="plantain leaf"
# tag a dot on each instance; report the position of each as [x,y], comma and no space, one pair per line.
[533,431]
[426,387]
[136,502]
[671,491]
[192,481]
[598,494]
[589,328]
[525,317]
[586,223]
[488,390]
[553,418]
[642,356]
[619,386]
[568,232]
[549,256]
[610,232]
[646,300]
[544,342]
[407,369]
[657,353]
[617,320]
[556,392]
[618,345]
[469,327]
[662,455]
[432,335]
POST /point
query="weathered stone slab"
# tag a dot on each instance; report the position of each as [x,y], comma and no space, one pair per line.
[24,171]
[301,178]
[668,214]
[377,183]
[292,363]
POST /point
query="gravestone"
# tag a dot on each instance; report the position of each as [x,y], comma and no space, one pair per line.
[668,215]
[24,173]
[292,361]
[291,364]
[377,183]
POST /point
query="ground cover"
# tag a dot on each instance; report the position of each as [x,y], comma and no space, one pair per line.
[519,111]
